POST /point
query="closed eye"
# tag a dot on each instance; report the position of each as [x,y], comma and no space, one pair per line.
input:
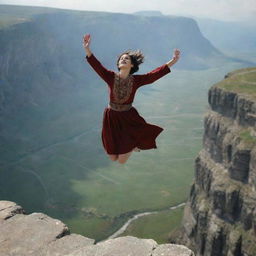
[125,58]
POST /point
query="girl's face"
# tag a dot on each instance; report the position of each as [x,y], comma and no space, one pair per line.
[125,62]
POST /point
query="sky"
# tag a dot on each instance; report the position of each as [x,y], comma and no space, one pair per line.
[227,10]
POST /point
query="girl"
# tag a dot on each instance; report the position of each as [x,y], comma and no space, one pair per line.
[123,129]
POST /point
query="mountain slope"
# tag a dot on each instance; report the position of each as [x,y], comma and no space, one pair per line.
[44,54]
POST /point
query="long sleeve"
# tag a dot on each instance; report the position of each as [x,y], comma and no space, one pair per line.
[105,74]
[152,76]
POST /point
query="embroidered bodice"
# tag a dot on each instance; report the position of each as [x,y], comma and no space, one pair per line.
[122,88]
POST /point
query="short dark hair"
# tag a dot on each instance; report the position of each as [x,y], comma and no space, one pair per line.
[137,58]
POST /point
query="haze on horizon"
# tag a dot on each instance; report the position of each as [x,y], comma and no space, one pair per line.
[226,10]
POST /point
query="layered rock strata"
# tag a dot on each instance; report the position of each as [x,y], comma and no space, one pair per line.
[37,234]
[220,215]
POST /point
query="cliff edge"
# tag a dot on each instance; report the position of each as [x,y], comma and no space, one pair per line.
[37,234]
[220,215]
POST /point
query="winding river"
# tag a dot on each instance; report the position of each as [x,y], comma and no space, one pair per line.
[128,222]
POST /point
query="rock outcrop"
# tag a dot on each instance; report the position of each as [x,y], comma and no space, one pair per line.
[37,234]
[220,215]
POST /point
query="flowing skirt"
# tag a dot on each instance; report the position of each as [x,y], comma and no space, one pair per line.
[122,131]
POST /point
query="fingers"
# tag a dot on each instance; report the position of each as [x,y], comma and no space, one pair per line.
[177,52]
[87,36]
[87,39]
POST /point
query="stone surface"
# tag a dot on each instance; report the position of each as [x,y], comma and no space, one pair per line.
[172,250]
[65,245]
[121,246]
[9,209]
[37,234]
[25,234]
[239,169]
[237,107]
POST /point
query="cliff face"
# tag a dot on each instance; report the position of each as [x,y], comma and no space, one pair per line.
[37,234]
[220,215]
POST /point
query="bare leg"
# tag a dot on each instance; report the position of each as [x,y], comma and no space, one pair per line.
[122,158]
[113,157]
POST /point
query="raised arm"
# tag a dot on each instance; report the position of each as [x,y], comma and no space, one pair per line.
[151,76]
[158,72]
[105,74]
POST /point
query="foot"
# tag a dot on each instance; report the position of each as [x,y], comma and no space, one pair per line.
[136,149]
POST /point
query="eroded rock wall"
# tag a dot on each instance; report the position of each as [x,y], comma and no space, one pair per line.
[220,215]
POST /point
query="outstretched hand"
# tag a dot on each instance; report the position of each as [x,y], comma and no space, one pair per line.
[87,40]
[176,55]
[175,58]
[86,44]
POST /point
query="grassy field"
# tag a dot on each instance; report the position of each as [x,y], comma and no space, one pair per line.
[241,81]
[156,226]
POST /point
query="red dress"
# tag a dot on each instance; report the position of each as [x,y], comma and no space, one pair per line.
[122,131]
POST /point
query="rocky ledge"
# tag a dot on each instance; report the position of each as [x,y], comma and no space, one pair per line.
[37,234]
